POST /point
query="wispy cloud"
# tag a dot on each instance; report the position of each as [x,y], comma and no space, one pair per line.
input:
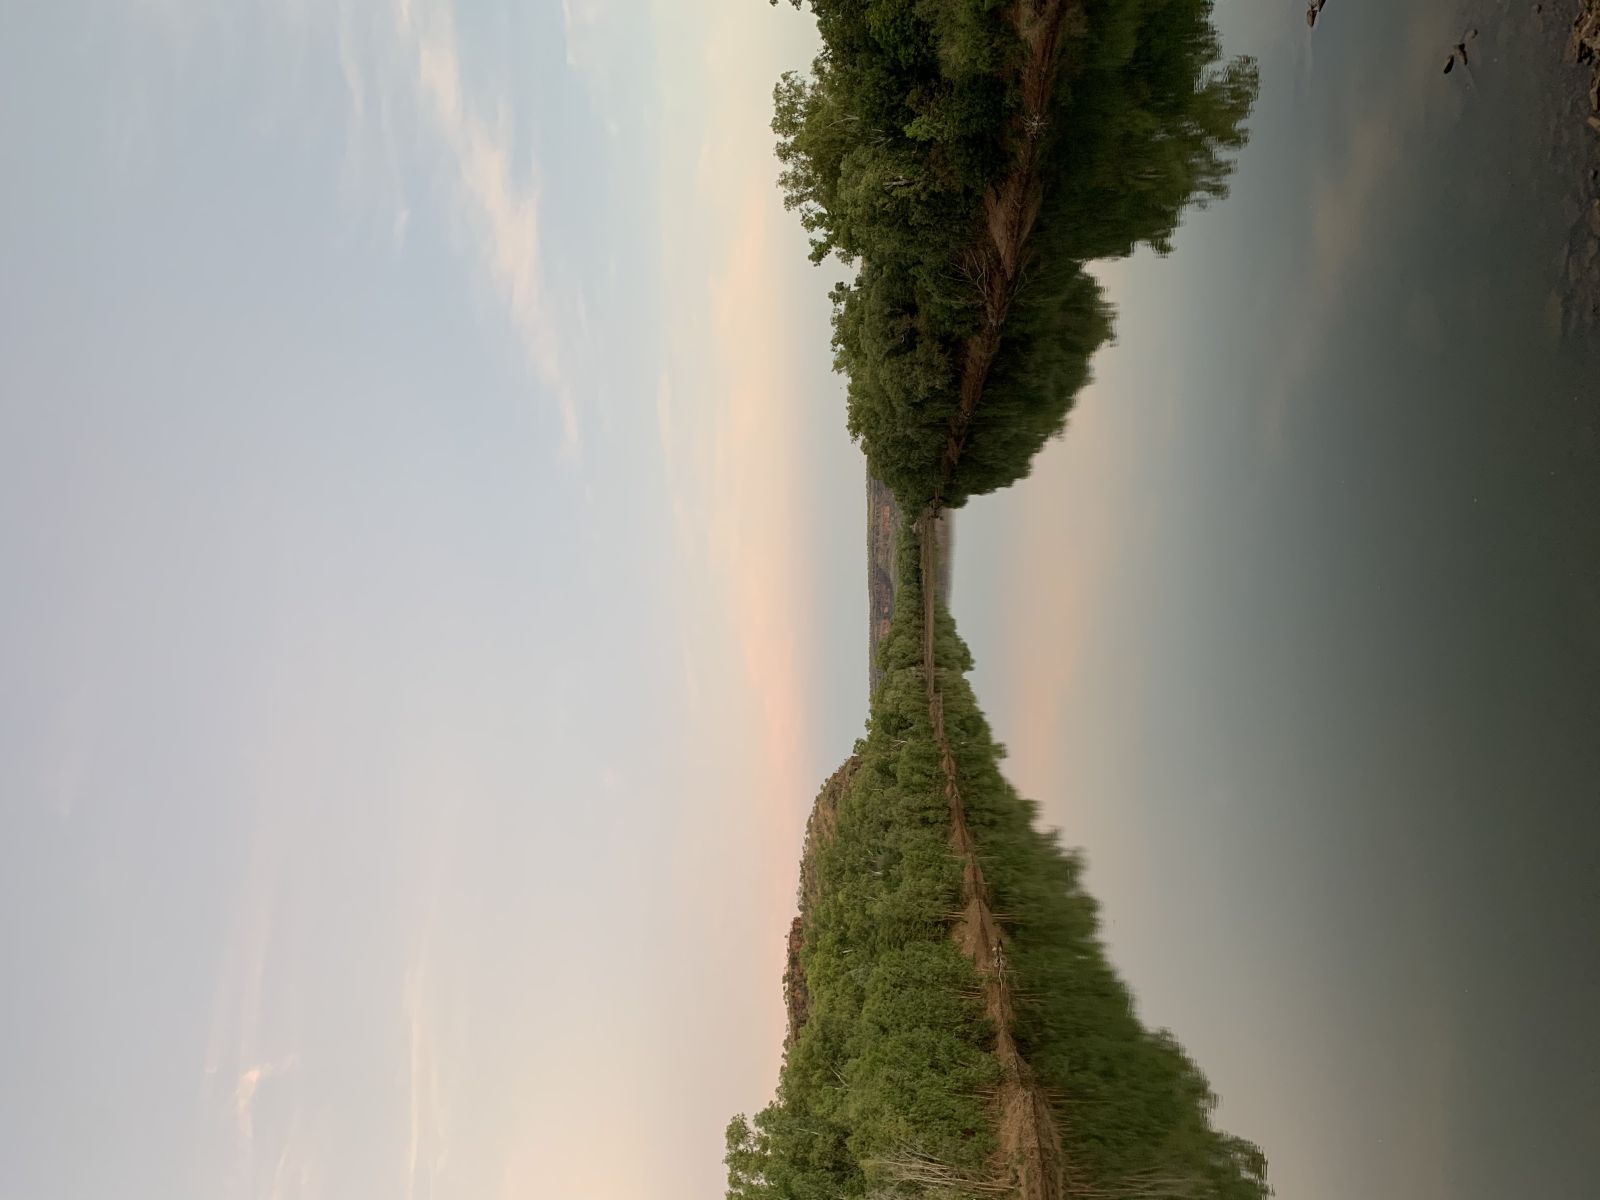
[410,112]
[500,204]
[425,1150]
[292,1176]
[581,22]
[236,1008]
[589,32]
[239,1031]
[244,1096]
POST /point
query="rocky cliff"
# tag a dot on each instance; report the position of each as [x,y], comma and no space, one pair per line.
[819,828]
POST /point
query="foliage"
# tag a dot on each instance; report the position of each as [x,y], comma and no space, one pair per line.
[894,1062]
[894,150]
[911,116]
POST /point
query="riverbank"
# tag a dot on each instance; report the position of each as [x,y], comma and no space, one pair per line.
[1569,37]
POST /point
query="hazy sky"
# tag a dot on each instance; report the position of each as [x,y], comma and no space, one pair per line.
[432,592]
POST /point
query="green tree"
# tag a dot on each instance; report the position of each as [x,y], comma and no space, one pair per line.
[909,120]
[888,1081]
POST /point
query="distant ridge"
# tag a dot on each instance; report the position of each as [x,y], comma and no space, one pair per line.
[883,528]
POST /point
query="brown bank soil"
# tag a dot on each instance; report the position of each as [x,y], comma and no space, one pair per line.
[819,831]
[1010,209]
[1030,1165]
[1568,37]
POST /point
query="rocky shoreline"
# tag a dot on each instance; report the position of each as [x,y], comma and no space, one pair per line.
[1574,304]
[1583,49]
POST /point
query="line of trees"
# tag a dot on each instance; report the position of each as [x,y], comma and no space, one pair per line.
[887,1077]
[894,150]
[912,114]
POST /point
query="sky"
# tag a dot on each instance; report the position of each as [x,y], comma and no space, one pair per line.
[433,594]
[423,503]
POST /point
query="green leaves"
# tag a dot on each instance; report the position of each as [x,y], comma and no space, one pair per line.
[910,153]
[912,117]
[889,1083]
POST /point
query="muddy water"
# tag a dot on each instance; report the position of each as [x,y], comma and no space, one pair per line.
[1297,631]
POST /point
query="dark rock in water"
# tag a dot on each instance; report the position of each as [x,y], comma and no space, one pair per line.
[1585,39]
[1449,63]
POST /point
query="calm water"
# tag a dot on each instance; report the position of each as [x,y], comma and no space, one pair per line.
[1332,741]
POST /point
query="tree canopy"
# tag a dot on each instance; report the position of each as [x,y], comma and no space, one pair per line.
[894,151]
[970,159]
[889,1072]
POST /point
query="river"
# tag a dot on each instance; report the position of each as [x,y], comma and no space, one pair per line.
[1305,651]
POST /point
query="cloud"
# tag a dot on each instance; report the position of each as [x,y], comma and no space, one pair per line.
[398,66]
[501,205]
[234,1044]
[244,1025]
[425,1138]
[592,33]
[291,1176]
[244,1095]
[581,22]
[354,83]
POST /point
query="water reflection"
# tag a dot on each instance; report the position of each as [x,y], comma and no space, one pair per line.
[1328,522]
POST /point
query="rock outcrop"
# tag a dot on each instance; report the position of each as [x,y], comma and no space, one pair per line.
[819,829]
[1573,305]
